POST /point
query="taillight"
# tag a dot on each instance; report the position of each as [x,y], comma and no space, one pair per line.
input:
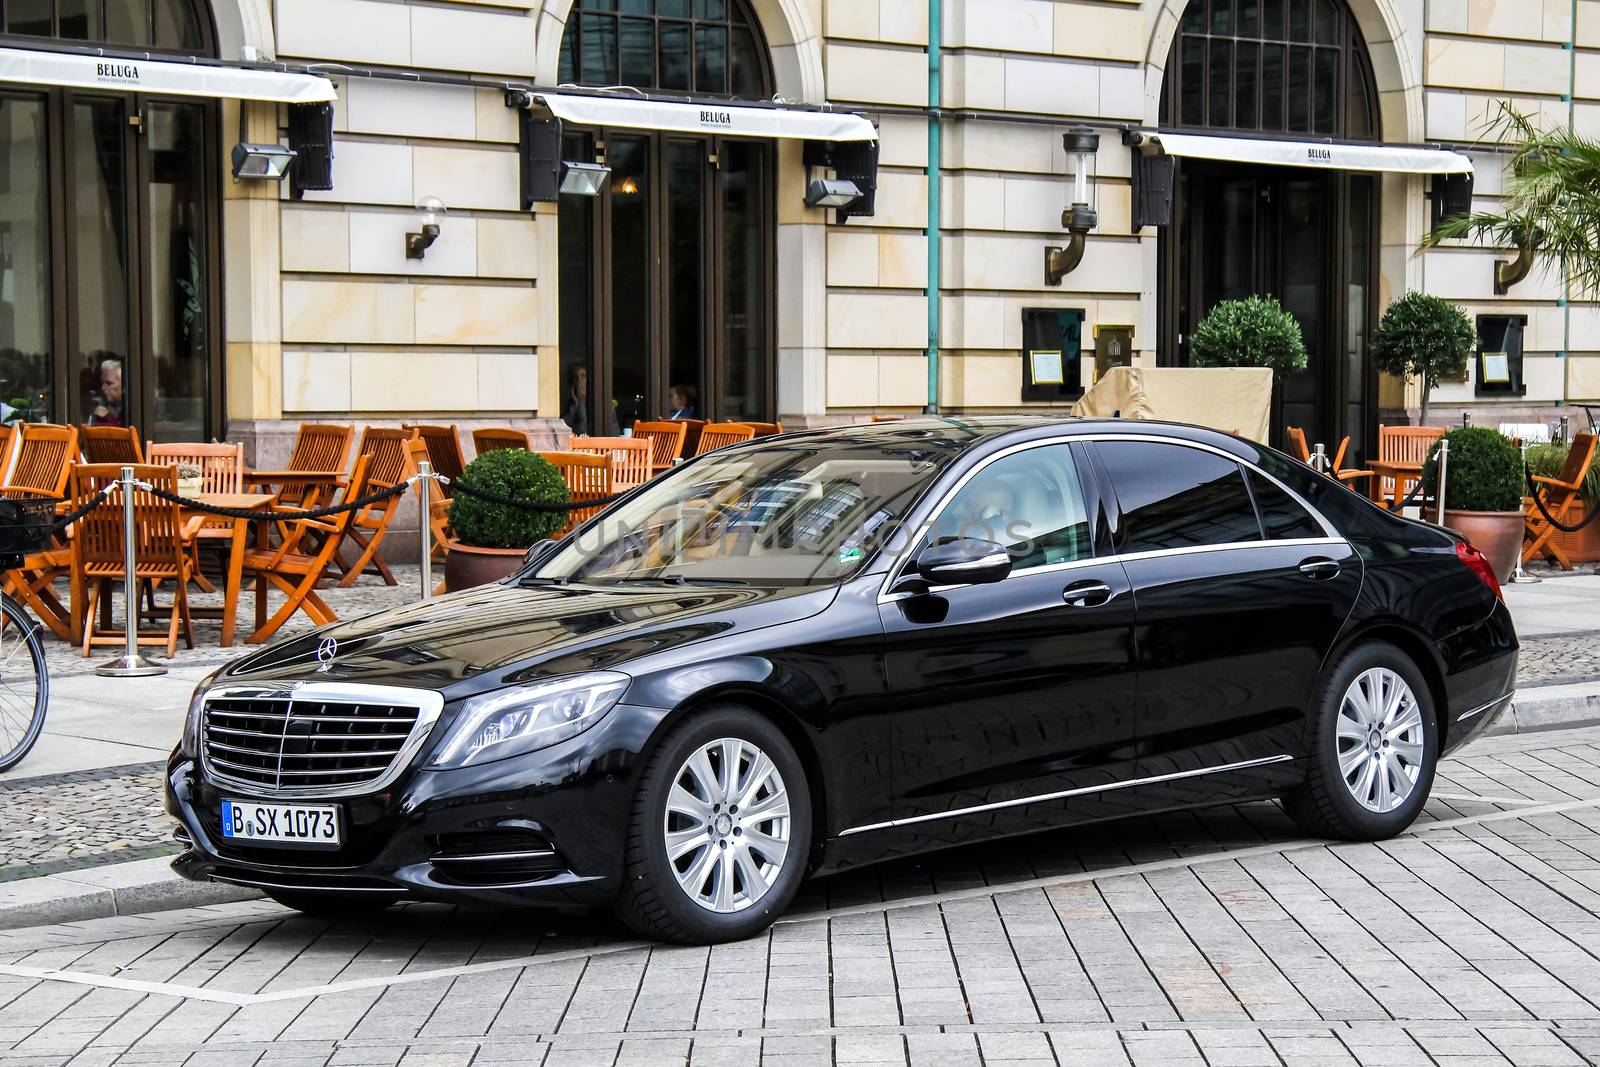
[1478,564]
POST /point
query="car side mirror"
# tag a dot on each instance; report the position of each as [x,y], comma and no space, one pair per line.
[539,550]
[963,561]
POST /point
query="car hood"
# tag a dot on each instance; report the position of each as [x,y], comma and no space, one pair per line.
[510,633]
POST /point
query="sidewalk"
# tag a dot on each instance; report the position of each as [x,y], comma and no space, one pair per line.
[82,830]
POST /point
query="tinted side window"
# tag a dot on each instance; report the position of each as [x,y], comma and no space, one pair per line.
[1177,497]
[1282,517]
[1030,501]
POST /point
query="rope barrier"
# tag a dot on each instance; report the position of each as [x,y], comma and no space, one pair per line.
[1538,500]
[280,516]
[60,525]
[461,486]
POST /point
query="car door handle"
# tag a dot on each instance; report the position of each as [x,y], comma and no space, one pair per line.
[1320,569]
[1090,594]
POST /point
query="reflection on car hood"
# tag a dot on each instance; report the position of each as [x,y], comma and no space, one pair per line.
[541,630]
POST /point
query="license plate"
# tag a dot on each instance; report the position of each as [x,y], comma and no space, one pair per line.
[305,825]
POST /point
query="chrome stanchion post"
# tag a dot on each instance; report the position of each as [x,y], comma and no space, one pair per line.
[1444,472]
[425,524]
[1319,458]
[1518,575]
[1566,429]
[130,664]
[1466,419]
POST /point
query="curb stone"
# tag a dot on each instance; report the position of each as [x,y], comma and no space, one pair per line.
[132,888]
[1550,707]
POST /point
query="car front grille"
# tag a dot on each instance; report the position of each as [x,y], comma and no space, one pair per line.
[291,742]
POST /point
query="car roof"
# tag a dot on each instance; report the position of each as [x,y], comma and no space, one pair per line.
[966,432]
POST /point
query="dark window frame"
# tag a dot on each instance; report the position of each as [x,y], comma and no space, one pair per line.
[1126,527]
[737,18]
[1198,29]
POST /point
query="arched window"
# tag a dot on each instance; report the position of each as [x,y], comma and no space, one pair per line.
[1280,66]
[164,25]
[699,46]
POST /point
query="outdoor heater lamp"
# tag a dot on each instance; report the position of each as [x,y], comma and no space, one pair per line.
[261,162]
[1082,145]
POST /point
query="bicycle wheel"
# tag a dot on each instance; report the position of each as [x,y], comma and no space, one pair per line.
[24,682]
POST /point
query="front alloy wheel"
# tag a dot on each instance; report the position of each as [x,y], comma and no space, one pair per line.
[727,825]
[720,830]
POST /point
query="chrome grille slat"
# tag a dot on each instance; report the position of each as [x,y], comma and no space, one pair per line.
[285,742]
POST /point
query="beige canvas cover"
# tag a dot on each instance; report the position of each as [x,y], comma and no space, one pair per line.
[1236,400]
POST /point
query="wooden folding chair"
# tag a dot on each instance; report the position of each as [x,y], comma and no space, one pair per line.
[45,455]
[417,451]
[630,458]
[764,429]
[160,555]
[385,450]
[110,444]
[296,574]
[1343,473]
[221,469]
[1402,444]
[1295,438]
[718,434]
[444,449]
[315,470]
[10,437]
[588,477]
[493,438]
[888,418]
[1558,494]
[667,441]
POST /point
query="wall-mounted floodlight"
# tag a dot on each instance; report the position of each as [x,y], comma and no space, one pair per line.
[832,192]
[1081,144]
[261,162]
[432,211]
[583,179]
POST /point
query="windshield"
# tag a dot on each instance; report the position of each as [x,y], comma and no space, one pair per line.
[776,514]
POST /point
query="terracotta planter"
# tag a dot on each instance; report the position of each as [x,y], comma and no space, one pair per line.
[1497,534]
[1583,546]
[469,565]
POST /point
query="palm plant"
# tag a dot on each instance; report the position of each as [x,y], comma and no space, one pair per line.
[1551,207]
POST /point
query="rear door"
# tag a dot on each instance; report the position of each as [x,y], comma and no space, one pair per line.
[1241,594]
[1013,702]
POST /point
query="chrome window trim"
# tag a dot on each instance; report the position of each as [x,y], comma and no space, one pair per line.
[1044,798]
[429,705]
[1481,708]
[1332,538]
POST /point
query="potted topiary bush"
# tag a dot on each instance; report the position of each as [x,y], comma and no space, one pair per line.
[1584,545]
[1253,332]
[491,538]
[1483,486]
[1423,337]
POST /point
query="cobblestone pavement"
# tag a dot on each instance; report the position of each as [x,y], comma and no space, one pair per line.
[1215,938]
[1559,658]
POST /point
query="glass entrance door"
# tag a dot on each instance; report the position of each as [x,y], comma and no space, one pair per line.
[666,282]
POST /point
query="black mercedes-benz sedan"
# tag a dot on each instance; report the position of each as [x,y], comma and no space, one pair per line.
[830,647]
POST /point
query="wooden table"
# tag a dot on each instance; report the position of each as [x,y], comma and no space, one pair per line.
[1400,471]
[237,546]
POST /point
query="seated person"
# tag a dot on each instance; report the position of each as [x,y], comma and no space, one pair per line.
[680,401]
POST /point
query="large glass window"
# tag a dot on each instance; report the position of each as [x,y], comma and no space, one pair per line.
[1277,65]
[1177,497]
[699,46]
[26,345]
[168,25]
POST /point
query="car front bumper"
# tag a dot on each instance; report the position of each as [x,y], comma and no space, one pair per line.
[546,828]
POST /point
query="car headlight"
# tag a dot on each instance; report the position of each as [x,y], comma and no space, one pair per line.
[508,722]
[189,744]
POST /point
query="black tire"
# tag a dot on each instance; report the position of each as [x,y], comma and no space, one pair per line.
[1326,805]
[24,683]
[651,901]
[331,905]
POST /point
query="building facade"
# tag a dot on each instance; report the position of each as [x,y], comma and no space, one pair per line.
[143,283]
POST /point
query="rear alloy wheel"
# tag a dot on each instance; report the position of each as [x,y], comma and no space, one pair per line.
[1374,746]
[720,832]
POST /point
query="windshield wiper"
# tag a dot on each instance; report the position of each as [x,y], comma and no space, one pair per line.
[679,579]
[534,579]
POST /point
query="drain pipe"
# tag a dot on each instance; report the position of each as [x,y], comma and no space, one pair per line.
[935,103]
[1566,277]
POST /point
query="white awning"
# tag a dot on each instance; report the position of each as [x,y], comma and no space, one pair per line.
[1325,154]
[174,77]
[735,119]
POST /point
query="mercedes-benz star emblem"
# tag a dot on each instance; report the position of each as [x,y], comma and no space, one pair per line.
[327,648]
